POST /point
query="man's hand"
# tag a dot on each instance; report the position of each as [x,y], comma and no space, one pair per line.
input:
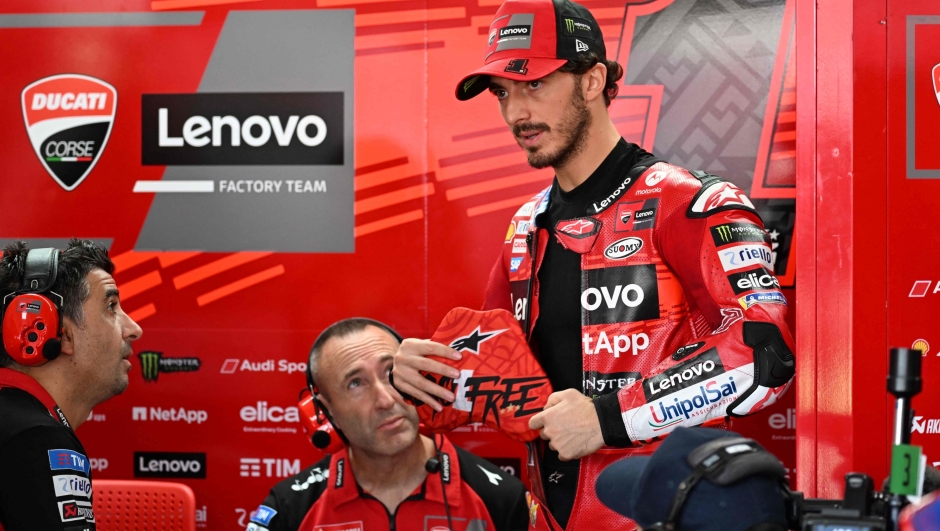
[412,357]
[569,422]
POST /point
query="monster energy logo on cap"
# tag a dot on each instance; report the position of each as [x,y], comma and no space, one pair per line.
[577,28]
[152,363]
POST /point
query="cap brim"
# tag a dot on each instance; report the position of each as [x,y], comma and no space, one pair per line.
[616,484]
[479,80]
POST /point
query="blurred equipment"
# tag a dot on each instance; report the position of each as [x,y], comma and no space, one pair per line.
[150,505]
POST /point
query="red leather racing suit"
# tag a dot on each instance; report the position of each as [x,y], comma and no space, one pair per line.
[682,319]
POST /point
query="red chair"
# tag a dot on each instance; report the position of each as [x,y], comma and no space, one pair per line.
[134,505]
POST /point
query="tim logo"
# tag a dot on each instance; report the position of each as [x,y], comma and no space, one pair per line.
[68,120]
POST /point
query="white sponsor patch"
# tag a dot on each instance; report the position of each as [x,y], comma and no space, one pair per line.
[71,485]
[741,256]
[519,246]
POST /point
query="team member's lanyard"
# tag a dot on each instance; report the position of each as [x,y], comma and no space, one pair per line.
[18,380]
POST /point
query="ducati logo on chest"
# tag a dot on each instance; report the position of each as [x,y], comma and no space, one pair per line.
[68,120]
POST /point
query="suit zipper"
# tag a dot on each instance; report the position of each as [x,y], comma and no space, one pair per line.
[531,241]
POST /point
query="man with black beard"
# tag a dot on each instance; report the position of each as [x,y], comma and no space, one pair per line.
[646,290]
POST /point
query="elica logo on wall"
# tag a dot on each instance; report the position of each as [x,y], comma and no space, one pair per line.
[169,465]
[273,468]
[232,365]
[68,120]
[262,413]
[225,129]
[152,363]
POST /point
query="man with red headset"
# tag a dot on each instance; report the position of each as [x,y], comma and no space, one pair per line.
[66,349]
[387,476]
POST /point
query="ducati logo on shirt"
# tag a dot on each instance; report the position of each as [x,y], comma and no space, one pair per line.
[68,120]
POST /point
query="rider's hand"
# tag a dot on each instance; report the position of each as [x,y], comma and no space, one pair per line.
[412,356]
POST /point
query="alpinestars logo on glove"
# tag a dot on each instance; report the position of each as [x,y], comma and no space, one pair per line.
[68,120]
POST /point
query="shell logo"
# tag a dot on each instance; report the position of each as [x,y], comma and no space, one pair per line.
[922,345]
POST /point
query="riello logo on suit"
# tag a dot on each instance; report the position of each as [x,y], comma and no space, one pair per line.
[68,120]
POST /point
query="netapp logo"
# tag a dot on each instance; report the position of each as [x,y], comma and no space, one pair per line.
[170,415]
[620,294]
[169,465]
[224,129]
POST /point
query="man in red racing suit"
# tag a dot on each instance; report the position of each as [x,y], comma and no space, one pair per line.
[660,277]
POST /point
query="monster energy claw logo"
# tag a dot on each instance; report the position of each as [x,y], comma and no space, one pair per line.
[152,363]
[569,25]
[724,232]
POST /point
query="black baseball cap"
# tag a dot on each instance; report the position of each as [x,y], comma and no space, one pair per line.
[530,39]
[643,488]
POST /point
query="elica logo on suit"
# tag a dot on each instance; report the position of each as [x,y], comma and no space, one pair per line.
[68,120]
[228,129]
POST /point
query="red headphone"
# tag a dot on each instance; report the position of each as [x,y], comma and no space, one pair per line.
[31,324]
[316,420]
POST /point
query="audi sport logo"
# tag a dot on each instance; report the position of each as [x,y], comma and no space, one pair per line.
[68,119]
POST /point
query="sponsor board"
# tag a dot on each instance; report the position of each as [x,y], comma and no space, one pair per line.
[921,287]
[262,412]
[764,297]
[68,120]
[71,485]
[925,426]
[99,463]
[152,363]
[230,129]
[272,467]
[623,294]
[624,248]
[752,280]
[68,460]
[170,465]
[188,416]
[615,344]
[233,365]
[783,421]
[599,383]
[695,370]
[741,256]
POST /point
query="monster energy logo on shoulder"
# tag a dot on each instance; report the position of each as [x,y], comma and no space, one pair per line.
[738,232]
[152,363]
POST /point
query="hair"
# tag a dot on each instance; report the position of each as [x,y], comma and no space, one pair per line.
[78,259]
[581,66]
[343,328]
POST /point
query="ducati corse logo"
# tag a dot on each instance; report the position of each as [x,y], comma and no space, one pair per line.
[68,120]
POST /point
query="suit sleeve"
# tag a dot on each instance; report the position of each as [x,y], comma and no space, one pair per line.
[497,287]
[45,483]
[742,360]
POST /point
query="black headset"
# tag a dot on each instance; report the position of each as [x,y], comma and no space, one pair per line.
[321,439]
[725,461]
